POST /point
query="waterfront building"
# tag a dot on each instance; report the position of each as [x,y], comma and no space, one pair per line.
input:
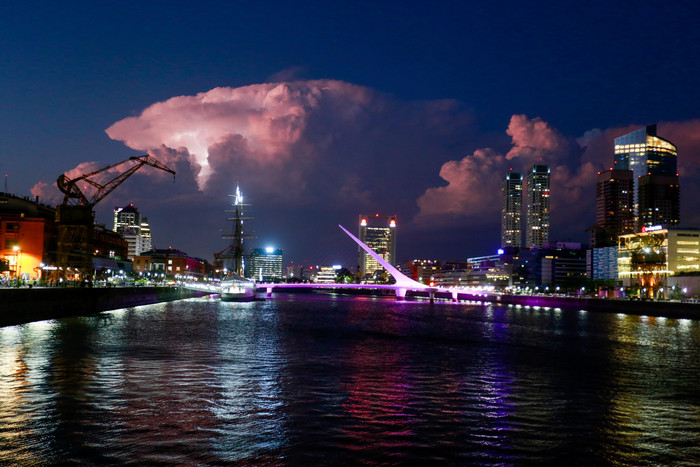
[27,237]
[646,259]
[326,274]
[264,264]
[659,200]
[644,153]
[421,270]
[614,213]
[170,264]
[378,233]
[452,274]
[134,228]
[537,225]
[603,263]
[511,210]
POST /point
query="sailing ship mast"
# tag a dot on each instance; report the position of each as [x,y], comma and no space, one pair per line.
[234,252]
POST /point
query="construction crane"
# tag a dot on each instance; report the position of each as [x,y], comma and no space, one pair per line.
[75,216]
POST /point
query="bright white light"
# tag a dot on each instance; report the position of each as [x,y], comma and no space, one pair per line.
[269,249]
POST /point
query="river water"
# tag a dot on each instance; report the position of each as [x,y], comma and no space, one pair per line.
[326,380]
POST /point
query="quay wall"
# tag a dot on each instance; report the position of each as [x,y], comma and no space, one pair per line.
[608,305]
[24,305]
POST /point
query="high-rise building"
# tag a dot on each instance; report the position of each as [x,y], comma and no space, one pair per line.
[146,240]
[537,206]
[659,200]
[264,264]
[614,216]
[511,212]
[644,153]
[135,230]
[378,233]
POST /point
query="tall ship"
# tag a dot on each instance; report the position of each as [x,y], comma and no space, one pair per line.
[234,286]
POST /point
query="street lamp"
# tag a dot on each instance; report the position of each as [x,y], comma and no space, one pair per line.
[17,265]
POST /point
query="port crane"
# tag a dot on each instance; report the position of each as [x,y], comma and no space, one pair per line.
[75,217]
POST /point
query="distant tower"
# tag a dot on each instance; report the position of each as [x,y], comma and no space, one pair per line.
[644,153]
[511,212]
[659,200]
[129,223]
[378,233]
[537,206]
[614,215]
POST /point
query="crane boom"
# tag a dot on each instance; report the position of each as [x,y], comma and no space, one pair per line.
[73,194]
[75,217]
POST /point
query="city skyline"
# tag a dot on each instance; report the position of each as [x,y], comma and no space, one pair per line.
[420,117]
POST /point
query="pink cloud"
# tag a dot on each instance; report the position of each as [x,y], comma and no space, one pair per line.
[265,120]
[471,187]
[474,183]
[535,141]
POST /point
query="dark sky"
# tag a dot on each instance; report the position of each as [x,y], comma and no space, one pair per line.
[325,110]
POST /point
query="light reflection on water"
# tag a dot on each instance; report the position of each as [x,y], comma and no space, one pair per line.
[314,380]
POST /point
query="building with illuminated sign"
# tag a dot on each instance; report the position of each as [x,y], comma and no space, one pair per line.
[646,259]
[378,233]
[511,211]
[537,233]
[264,264]
[644,153]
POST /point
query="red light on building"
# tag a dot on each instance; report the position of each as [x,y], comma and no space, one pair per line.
[363,223]
[392,223]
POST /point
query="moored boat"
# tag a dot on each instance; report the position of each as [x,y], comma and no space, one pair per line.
[237,288]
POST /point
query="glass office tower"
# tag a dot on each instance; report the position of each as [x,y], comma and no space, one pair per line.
[645,153]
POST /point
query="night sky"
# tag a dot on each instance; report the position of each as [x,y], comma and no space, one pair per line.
[325,110]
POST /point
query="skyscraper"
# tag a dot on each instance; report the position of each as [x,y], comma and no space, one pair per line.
[378,233]
[659,200]
[511,212]
[644,153]
[537,206]
[134,228]
[614,216]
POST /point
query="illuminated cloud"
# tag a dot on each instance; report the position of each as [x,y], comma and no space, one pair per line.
[474,183]
[247,129]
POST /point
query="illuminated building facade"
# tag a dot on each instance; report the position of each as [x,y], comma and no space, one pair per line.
[326,274]
[644,153]
[134,228]
[537,206]
[264,264]
[168,264]
[378,233]
[421,270]
[647,258]
[511,211]
[27,237]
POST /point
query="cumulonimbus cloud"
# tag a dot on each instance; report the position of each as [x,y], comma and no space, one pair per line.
[257,126]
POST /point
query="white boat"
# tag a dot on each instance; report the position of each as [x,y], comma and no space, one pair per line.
[237,288]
